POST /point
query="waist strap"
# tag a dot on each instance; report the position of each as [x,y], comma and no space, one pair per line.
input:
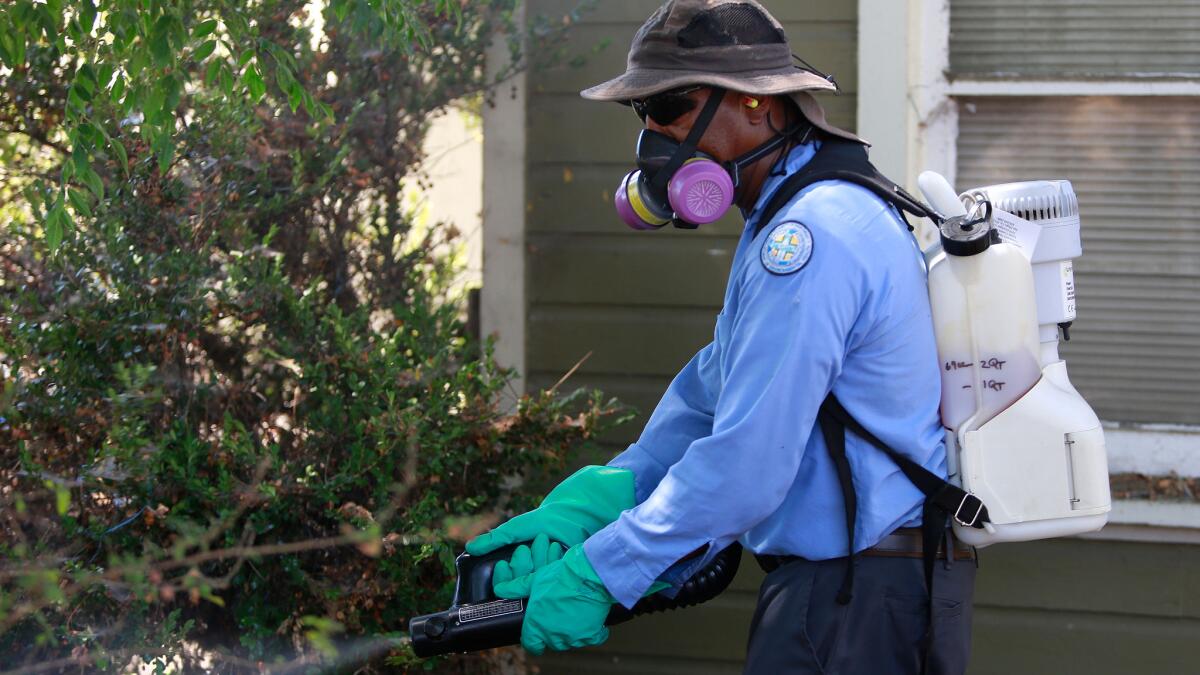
[905,542]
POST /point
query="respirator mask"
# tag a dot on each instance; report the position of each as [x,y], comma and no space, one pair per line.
[676,183]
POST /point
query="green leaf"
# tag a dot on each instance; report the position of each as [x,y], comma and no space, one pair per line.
[254,83]
[7,48]
[295,95]
[164,149]
[227,81]
[19,48]
[93,182]
[245,57]
[137,62]
[62,499]
[79,156]
[87,15]
[340,9]
[213,71]
[173,88]
[54,226]
[105,75]
[118,89]
[153,106]
[178,34]
[204,50]
[160,44]
[79,200]
[118,149]
[75,98]
[204,29]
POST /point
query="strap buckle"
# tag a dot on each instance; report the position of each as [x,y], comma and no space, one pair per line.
[978,510]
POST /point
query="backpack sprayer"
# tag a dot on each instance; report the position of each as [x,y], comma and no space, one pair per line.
[1019,436]
[477,619]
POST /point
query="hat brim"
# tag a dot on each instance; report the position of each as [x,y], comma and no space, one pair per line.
[643,82]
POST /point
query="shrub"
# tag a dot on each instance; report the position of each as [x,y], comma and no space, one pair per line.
[241,418]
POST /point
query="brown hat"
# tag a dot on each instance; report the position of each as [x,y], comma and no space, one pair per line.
[734,44]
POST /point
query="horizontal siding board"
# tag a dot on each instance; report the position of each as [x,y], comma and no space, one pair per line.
[643,341]
[1136,578]
[681,271]
[1062,37]
[1034,641]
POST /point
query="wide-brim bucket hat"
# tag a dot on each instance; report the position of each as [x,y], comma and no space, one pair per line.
[733,44]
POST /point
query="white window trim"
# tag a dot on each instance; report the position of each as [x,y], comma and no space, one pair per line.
[502,299]
[906,110]
[1117,87]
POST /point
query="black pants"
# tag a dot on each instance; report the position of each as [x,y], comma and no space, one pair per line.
[799,627]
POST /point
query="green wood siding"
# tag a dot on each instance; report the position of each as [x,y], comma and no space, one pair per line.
[642,304]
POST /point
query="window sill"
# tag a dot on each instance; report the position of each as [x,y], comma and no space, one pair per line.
[1158,522]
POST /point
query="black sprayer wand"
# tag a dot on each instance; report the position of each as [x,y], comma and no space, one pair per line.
[477,619]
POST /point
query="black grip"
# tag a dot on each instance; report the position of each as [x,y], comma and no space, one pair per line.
[478,620]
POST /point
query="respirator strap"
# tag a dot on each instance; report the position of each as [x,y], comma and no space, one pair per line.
[735,167]
[688,148]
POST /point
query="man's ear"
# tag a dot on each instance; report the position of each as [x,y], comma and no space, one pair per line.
[757,109]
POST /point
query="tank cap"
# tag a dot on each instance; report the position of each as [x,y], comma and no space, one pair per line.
[969,234]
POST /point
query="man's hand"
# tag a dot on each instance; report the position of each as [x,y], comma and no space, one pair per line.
[526,560]
[579,507]
[567,604]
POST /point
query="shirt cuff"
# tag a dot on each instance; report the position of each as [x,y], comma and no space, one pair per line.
[647,471]
[625,581]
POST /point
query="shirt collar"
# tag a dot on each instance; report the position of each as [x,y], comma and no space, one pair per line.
[795,160]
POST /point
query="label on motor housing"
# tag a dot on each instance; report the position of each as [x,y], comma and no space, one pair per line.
[488,610]
[1067,269]
[1017,231]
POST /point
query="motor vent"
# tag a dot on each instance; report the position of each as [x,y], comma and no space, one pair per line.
[1035,201]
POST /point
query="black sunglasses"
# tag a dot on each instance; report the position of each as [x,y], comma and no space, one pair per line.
[666,107]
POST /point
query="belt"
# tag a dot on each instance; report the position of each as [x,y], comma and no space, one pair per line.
[902,543]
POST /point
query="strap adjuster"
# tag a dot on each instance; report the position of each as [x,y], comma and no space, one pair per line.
[974,518]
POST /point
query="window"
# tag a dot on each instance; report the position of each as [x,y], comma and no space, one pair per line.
[1106,94]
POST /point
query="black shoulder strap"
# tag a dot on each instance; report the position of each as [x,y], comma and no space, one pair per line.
[840,159]
[943,500]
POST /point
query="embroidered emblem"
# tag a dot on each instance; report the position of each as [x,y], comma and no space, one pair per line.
[787,248]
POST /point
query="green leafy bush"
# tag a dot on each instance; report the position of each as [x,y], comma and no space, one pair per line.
[242,420]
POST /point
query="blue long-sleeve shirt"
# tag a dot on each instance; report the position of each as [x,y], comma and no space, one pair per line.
[732,450]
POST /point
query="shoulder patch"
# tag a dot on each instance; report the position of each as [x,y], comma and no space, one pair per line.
[787,249]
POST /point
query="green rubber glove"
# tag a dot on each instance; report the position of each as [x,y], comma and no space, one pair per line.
[567,604]
[579,507]
[527,560]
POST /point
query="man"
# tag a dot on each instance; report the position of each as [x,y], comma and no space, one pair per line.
[826,296]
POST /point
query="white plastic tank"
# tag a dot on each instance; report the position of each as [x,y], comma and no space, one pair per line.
[984,315]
